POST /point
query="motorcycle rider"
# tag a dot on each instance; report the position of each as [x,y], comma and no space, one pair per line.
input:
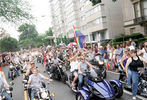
[82,67]
[30,69]
[55,60]
[3,85]
[74,68]
[35,81]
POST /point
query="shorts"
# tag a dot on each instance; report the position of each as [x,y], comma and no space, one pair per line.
[75,71]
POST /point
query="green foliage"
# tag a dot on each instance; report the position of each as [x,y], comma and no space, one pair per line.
[58,40]
[27,32]
[64,40]
[8,44]
[14,10]
[49,32]
[28,35]
[137,38]
[126,37]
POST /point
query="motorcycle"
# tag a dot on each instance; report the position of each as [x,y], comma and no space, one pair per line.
[8,91]
[48,68]
[95,87]
[42,93]
[12,73]
[142,85]
[39,59]
[59,73]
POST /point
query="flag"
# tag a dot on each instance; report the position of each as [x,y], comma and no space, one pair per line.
[79,37]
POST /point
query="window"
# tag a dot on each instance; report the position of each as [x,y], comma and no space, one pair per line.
[93,36]
[144,7]
[132,30]
[102,35]
[137,9]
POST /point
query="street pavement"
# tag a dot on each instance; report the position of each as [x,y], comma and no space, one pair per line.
[61,90]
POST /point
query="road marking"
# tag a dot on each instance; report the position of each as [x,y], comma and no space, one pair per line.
[138,96]
[25,92]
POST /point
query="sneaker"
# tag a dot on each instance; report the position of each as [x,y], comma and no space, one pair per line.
[134,98]
[74,89]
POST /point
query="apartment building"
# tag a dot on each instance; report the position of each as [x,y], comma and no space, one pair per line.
[135,16]
[104,19]
[57,15]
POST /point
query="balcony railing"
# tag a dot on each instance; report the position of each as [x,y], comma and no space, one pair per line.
[140,20]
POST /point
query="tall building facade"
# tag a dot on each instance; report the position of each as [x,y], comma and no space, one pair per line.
[135,16]
[104,19]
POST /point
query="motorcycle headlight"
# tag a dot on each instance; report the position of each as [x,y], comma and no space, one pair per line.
[44,95]
[101,62]
[11,66]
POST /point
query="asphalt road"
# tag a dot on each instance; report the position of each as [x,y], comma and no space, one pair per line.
[62,91]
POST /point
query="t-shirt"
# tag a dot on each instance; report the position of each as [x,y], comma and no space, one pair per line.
[119,52]
[55,61]
[74,65]
[144,54]
[36,80]
[90,56]
[83,66]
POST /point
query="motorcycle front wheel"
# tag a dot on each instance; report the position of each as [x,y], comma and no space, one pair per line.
[118,90]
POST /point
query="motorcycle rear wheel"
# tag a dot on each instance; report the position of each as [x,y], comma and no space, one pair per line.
[79,97]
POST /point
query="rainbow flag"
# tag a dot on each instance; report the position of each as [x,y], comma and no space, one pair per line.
[110,66]
[79,37]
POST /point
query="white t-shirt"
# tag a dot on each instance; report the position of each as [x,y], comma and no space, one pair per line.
[74,65]
[36,80]
[144,54]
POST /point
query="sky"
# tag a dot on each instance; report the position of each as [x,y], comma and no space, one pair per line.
[40,9]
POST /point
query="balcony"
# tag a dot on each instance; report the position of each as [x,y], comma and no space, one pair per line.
[140,20]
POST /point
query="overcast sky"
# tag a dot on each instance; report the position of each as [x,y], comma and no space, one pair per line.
[41,11]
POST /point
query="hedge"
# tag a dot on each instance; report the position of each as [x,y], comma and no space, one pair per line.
[126,37]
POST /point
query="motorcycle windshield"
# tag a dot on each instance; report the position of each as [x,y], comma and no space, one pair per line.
[101,86]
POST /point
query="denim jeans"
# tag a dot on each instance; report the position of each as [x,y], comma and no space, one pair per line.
[129,76]
[52,69]
[7,97]
[32,94]
[16,71]
[80,77]
[135,79]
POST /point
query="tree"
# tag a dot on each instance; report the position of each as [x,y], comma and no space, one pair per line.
[65,40]
[94,2]
[27,32]
[9,44]
[49,32]
[28,35]
[14,10]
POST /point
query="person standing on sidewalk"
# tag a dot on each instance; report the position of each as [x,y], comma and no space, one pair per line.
[134,62]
